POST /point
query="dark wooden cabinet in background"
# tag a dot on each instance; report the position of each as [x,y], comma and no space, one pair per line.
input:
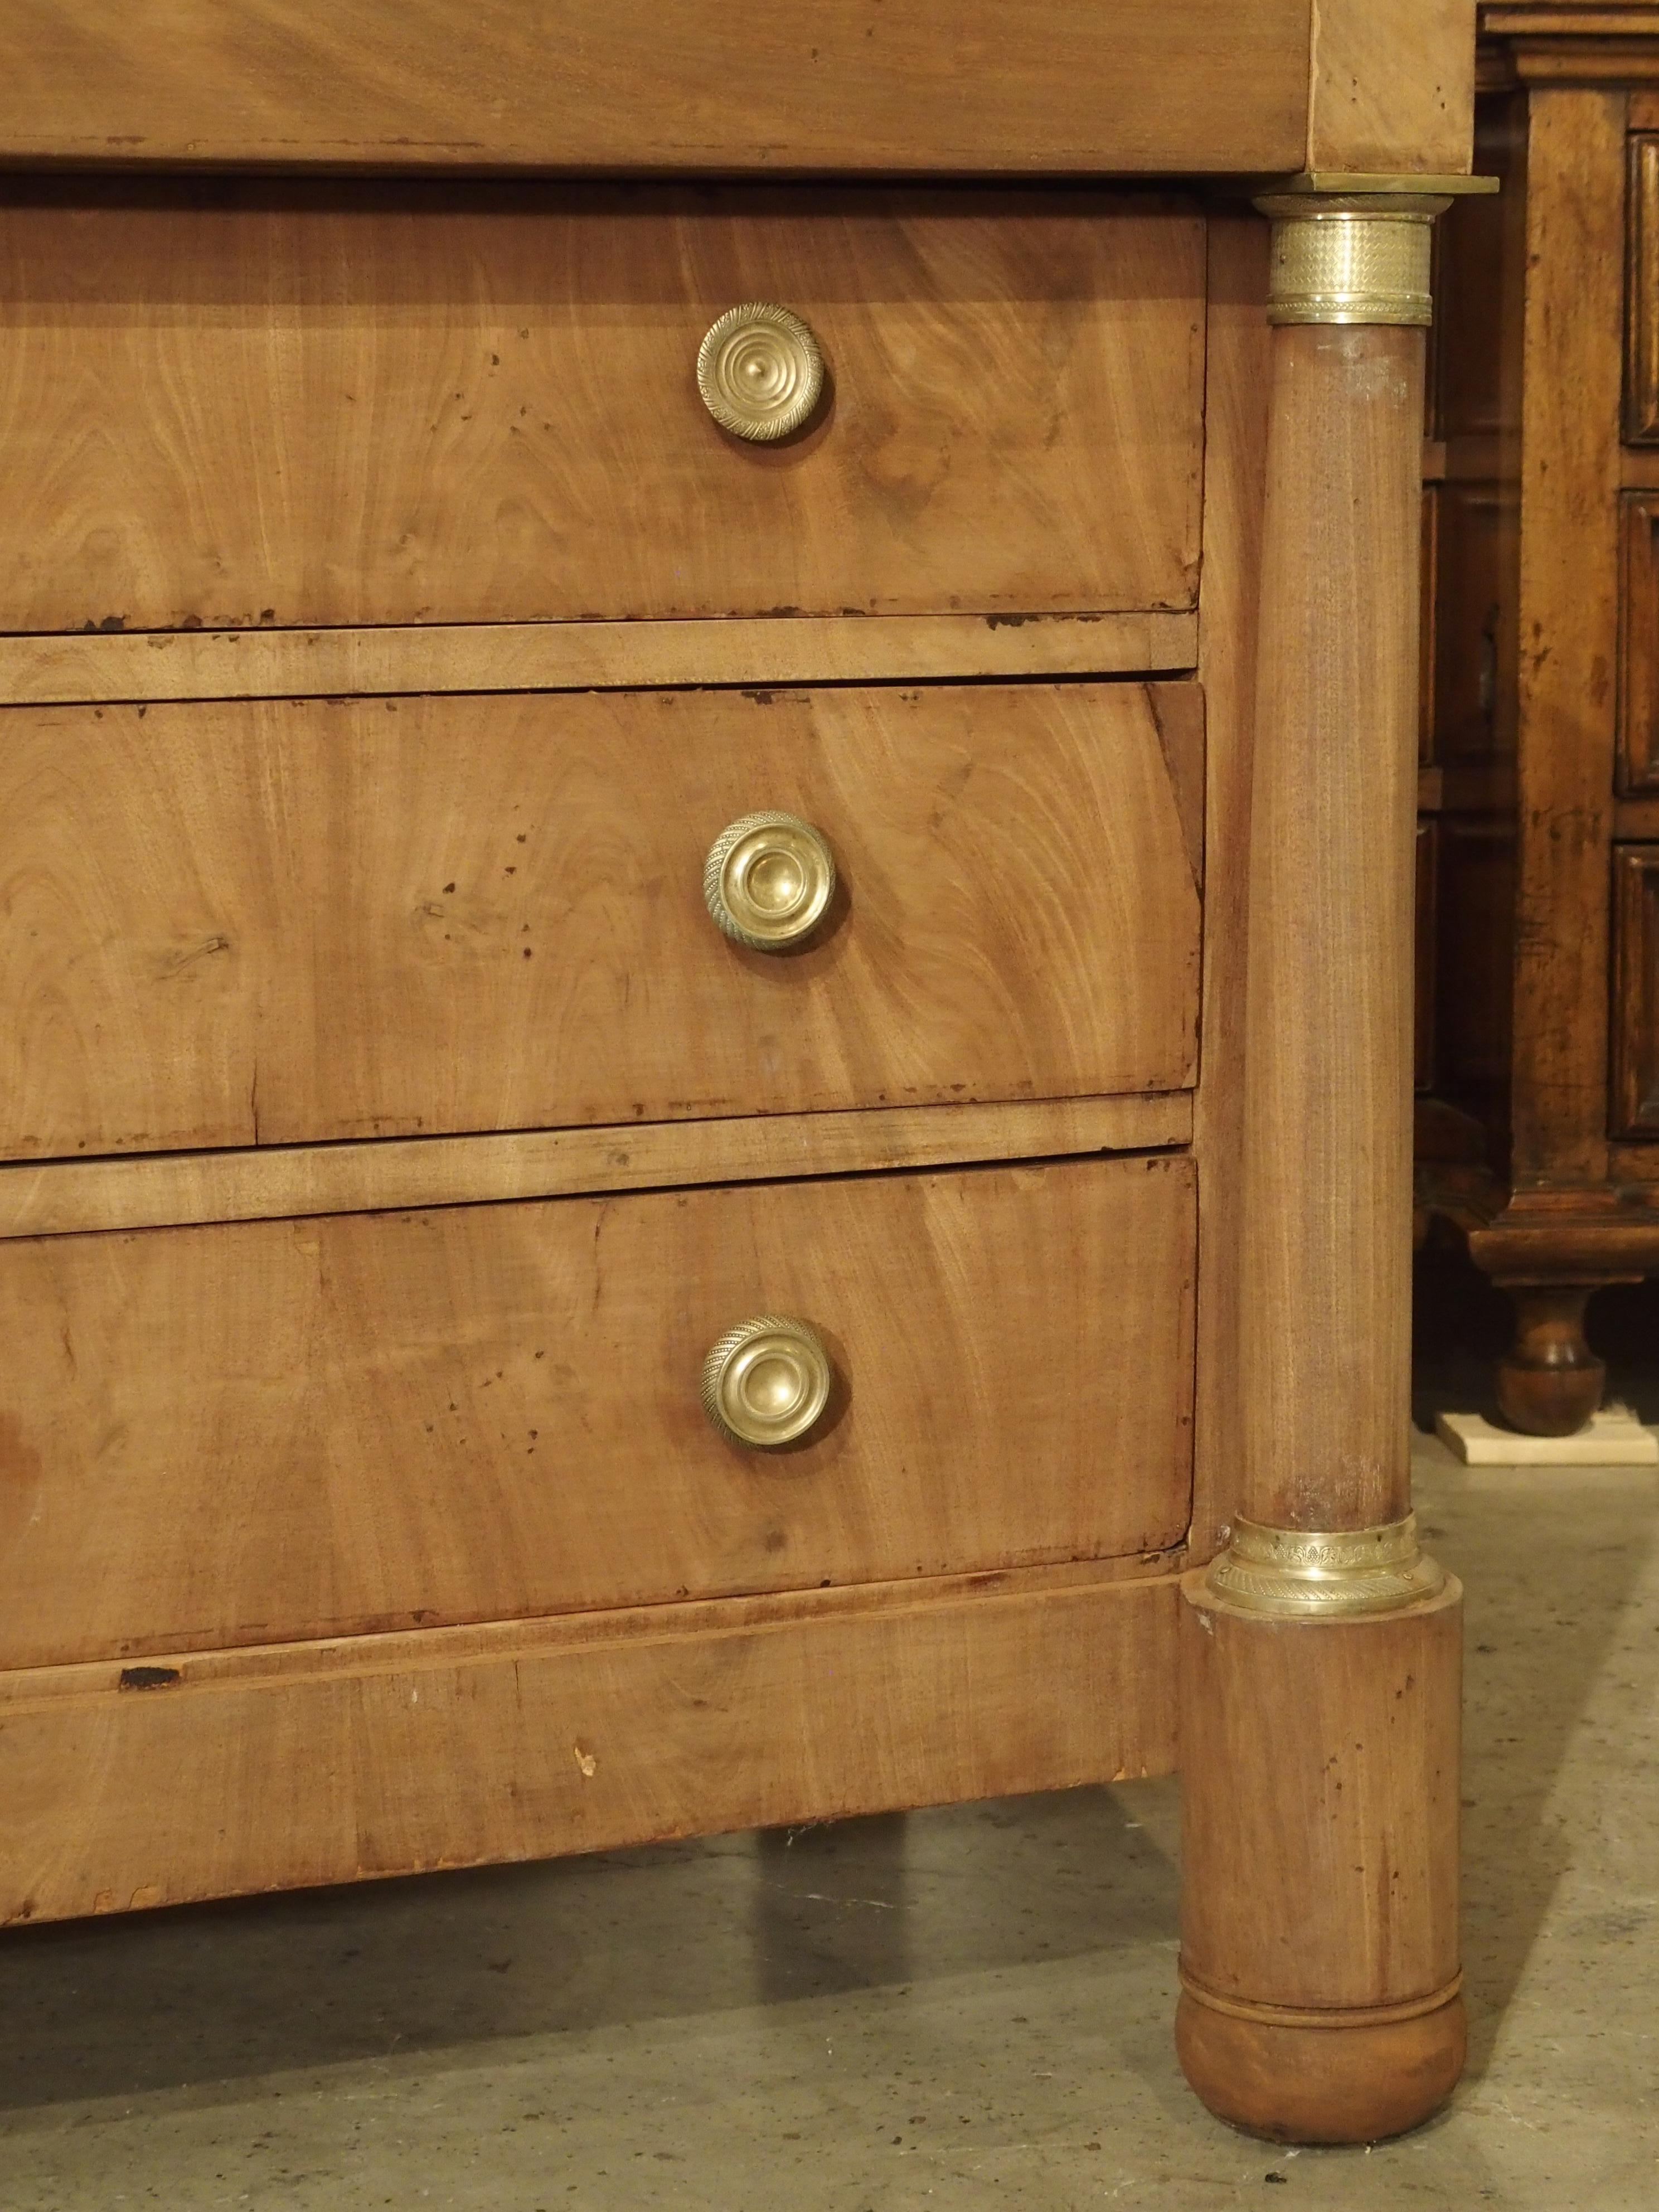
[1538,1057]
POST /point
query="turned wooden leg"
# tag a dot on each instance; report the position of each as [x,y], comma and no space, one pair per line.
[1549,1382]
[1319,1651]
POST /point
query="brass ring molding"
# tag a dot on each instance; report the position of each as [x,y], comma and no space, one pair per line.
[1324,1574]
[768,880]
[760,371]
[767,1382]
[1358,258]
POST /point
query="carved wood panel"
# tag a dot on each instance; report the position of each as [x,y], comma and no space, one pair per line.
[1638,643]
[1634,1103]
[1642,293]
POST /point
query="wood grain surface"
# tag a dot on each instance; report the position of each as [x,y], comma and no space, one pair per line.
[1610,46]
[1237,380]
[1392,88]
[1302,2084]
[282,922]
[232,402]
[1031,85]
[1319,1897]
[247,1770]
[59,668]
[1569,592]
[159,1190]
[1320,1810]
[1325,1279]
[279,1430]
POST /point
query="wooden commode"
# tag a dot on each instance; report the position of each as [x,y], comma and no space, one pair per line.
[705,1115]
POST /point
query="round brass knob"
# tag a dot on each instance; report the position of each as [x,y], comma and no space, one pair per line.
[768,880]
[767,1380]
[760,371]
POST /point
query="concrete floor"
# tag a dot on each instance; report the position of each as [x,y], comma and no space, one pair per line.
[967,2008]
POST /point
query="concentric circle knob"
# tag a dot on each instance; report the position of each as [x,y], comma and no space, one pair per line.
[760,371]
[768,880]
[767,1380]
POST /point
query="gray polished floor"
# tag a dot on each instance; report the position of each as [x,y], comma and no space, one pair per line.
[965,2008]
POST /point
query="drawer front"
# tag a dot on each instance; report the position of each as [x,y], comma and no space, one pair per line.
[230,402]
[284,921]
[269,1430]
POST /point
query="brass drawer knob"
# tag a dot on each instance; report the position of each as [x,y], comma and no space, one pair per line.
[760,371]
[767,1380]
[768,880]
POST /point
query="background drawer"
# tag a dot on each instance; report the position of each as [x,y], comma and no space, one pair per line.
[229,402]
[292,1429]
[281,921]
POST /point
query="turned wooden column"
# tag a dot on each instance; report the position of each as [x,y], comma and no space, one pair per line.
[1321,1649]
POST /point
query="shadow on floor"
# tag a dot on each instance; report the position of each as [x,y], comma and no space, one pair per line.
[1550,1560]
[466,1963]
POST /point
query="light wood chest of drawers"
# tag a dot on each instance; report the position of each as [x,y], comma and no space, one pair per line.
[633,1199]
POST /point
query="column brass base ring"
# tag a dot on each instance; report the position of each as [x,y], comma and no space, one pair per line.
[1313,1574]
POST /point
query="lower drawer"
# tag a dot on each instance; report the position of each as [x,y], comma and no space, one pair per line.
[269,1431]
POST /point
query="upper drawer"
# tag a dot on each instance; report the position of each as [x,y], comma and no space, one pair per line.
[282,921]
[230,402]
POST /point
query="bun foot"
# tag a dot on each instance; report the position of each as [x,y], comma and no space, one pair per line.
[1352,2083]
[1550,1381]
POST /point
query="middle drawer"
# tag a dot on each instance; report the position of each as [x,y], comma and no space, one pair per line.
[286,920]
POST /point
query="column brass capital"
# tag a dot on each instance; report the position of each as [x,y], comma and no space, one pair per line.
[1356,259]
[1356,249]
